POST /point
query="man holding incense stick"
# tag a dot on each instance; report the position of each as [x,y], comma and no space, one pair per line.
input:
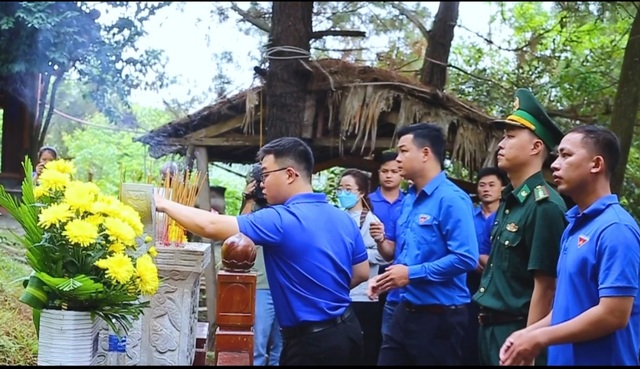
[311,266]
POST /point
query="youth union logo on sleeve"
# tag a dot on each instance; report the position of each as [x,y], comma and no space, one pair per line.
[582,239]
[423,218]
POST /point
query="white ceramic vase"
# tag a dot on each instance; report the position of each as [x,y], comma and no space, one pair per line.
[67,338]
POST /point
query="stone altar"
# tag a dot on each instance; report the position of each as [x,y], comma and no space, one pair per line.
[166,332]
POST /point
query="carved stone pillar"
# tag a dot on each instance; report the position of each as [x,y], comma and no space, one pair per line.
[169,325]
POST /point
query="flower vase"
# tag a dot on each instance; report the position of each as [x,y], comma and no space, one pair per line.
[67,338]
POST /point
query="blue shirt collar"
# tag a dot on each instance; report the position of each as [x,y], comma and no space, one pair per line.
[594,209]
[306,197]
[477,210]
[377,196]
[432,185]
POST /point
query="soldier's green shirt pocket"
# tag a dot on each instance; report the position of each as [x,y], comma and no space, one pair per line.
[509,242]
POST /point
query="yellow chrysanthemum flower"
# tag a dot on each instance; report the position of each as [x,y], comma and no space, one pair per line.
[51,180]
[152,251]
[61,166]
[130,216]
[106,205]
[54,215]
[117,247]
[39,192]
[148,239]
[95,219]
[81,195]
[81,232]
[119,231]
[147,275]
[118,266]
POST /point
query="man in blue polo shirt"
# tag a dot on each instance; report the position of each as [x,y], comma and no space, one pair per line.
[386,201]
[596,310]
[437,247]
[314,254]
[491,181]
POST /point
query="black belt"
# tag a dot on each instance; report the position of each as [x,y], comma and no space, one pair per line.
[313,327]
[431,308]
[493,317]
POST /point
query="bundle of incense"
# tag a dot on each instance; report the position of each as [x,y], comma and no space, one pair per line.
[183,188]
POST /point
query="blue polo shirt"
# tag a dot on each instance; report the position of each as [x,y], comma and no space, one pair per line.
[600,257]
[393,296]
[309,249]
[437,243]
[386,211]
[483,229]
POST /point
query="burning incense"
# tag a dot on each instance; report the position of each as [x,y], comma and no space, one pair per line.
[183,187]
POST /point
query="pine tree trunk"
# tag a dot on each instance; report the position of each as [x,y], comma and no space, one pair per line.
[627,101]
[434,68]
[287,79]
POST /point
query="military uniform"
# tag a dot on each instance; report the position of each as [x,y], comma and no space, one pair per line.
[525,238]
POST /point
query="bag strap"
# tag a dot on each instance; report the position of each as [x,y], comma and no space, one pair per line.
[363,216]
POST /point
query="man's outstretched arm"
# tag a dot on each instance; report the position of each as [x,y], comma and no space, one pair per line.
[198,221]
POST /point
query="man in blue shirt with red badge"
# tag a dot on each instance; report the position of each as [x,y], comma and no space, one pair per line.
[437,247]
[314,254]
[387,201]
[596,310]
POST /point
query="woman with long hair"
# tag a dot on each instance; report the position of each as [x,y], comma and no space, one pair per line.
[352,195]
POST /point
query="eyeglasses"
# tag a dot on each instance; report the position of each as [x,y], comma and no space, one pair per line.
[264,175]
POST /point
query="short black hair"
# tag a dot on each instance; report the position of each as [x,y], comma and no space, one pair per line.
[427,135]
[603,142]
[50,149]
[291,150]
[493,171]
[387,156]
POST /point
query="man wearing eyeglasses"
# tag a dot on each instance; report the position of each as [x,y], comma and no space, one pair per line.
[314,254]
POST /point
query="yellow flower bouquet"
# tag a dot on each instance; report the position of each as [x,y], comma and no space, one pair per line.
[82,246]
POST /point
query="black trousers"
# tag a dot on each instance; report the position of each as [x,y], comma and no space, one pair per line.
[340,345]
[470,355]
[369,315]
[424,338]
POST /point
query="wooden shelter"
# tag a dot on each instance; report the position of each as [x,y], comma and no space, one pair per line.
[352,114]
[18,117]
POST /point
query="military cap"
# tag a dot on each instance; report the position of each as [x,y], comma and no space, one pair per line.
[530,114]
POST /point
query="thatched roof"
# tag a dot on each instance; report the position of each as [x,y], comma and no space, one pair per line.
[354,111]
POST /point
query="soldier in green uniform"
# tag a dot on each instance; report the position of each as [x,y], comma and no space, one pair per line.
[518,283]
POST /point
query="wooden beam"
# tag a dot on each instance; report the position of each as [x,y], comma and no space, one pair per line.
[347,162]
[217,129]
[309,114]
[381,142]
[217,141]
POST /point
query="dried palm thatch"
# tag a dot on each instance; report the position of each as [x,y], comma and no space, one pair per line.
[352,102]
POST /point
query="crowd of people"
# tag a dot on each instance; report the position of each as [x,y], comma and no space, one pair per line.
[424,276]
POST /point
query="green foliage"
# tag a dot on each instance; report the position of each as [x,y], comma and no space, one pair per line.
[18,341]
[55,38]
[106,155]
[72,269]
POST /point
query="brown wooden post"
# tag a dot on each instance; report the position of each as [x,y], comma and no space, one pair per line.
[204,202]
[236,315]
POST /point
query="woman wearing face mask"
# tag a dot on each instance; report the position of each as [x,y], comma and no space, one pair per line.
[352,197]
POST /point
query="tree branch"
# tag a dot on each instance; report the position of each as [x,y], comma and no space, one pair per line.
[411,17]
[519,48]
[571,115]
[497,84]
[337,32]
[260,23]
[52,101]
[340,50]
